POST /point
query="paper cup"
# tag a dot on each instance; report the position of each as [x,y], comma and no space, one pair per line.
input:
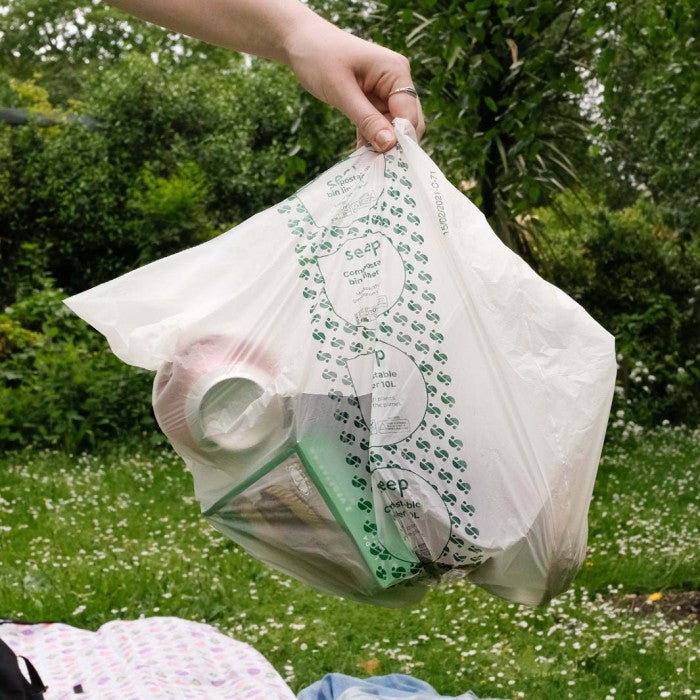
[218,397]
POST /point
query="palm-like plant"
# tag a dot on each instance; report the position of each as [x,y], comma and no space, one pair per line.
[502,83]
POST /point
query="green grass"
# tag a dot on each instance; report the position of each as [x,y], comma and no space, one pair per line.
[89,538]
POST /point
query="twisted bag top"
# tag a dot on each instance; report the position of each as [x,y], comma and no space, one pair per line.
[371,390]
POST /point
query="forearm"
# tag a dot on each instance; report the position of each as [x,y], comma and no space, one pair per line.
[258,27]
[355,76]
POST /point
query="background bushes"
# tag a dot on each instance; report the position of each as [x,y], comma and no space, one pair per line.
[179,155]
[60,384]
[571,127]
[637,278]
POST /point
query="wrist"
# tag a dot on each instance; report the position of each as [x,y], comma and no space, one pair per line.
[298,32]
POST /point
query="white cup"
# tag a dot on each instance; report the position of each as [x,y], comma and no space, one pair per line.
[219,397]
[233,408]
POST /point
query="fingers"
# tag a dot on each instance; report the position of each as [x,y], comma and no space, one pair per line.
[381,107]
[373,127]
[403,104]
[420,129]
[363,93]
[419,126]
[359,140]
[407,107]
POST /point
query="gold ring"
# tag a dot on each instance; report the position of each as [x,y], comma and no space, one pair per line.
[408,90]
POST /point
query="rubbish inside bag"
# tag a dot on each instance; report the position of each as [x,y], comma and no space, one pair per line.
[371,391]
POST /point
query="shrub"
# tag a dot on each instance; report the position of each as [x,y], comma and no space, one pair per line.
[180,153]
[172,208]
[636,277]
[59,382]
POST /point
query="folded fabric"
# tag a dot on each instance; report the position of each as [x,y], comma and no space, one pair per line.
[157,658]
[338,686]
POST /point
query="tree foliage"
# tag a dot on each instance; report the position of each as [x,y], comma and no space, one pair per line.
[500,82]
[628,269]
[523,98]
[180,155]
[61,38]
[647,62]
[526,98]
[59,384]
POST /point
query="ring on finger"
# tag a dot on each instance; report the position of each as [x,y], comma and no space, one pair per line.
[409,90]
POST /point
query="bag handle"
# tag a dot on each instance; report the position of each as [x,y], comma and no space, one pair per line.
[13,684]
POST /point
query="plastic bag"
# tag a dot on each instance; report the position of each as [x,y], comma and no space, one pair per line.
[371,391]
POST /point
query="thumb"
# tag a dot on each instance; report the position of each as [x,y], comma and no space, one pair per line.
[371,124]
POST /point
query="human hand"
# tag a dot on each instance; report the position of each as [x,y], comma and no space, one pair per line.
[355,76]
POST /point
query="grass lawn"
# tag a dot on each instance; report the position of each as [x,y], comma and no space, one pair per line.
[86,539]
